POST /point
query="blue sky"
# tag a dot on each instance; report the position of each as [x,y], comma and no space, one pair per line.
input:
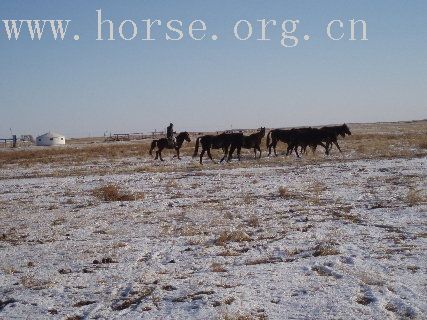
[88,87]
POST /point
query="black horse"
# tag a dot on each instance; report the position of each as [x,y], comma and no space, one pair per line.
[220,141]
[333,132]
[247,142]
[303,137]
[297,137]
[277,135]
[330,135]
[165,144]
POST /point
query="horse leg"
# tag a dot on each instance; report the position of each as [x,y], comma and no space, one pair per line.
[274,148]
[201,155]
[313,148]
[226,153]
[336,143]
[230,154]
[259,149]
[157,155]
[209,155]
[289,149]
[326,148]
[269,148]
[177,153]
[296,151]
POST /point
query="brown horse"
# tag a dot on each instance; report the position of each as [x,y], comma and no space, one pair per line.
[164,144]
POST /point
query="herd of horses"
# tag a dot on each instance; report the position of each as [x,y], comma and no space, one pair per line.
[295,138]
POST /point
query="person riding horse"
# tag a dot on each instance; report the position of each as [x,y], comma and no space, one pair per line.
[169,135]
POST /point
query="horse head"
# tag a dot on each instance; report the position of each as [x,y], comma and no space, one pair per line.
[185,136]
[345,130]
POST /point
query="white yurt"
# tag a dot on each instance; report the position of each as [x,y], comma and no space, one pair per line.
[50,139]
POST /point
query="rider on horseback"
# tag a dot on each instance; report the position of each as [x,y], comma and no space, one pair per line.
[170,135]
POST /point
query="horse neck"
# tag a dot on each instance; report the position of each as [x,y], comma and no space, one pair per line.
[180,139]
[259,135]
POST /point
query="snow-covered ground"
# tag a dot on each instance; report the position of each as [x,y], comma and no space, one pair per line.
[299,240]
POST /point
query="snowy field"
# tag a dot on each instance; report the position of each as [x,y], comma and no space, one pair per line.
[340,237]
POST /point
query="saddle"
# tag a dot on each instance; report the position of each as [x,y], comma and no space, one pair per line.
[171,142]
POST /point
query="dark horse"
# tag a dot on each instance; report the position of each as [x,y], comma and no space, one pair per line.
[277,135]
[247,142]
[164,144]
[333,132]
[294,138]
[330,134]
[303,137]
[220,141]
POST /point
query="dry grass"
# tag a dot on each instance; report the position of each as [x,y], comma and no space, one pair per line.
[232,236]
[422,143]
[134,299]
[325,249]
[230,316]
[364,300]
[253,222]
[30,282]
[266,260]
[354,218]
[190,231]
[217,267]
[285,193]
[387,143]
[111,192]
[68,154]
[58,221]
[415,197]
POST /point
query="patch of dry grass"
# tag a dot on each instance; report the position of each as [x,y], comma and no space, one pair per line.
[232,236]
[415,197]
[30,282]
[266,260]
[233,316]
[253,222]
[111,192]
[58,221]
[285,193]
[325,249]
[354,218]
[70,153]
[217,267]
[387,143]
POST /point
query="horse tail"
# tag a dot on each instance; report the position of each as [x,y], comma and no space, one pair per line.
[268,138]
[153,145]
[196,149]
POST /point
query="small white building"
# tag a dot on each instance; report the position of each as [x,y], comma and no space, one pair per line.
[50,139]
